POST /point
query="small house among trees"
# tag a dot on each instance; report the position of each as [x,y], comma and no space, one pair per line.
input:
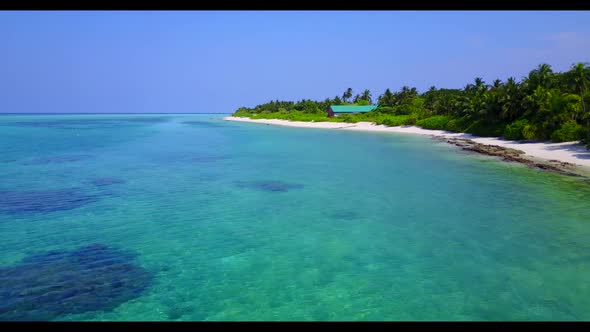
[335,110]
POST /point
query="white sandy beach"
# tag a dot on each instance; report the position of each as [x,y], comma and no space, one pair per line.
[571,152]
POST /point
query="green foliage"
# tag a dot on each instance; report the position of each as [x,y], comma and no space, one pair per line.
[411,120]
[434,122]
[456,125]
[402,110]
[292,115]
[514,130]
[410,106]
[529,131]
[387,99]
[347,118]
[385,110]
[347,94]
[442,101]
[481,128]
[393,121]
[543,105]
[569,131]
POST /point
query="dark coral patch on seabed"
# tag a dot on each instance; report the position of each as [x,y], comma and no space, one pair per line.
[46,286]
[345,215]
[80,124]
[144,120]
[44,201]
[57,159]
[85,123]
[192,158]
[106,181]
[204,124]
[271,186]
[58,123]
[205,158]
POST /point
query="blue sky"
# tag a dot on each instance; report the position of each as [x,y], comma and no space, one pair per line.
[207,61]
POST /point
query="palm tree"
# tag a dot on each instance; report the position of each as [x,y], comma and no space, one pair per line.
[580,72]
[386,99]
[497,83]
[367,96]
[509,100]
[544,73]
[539,77]
[479,84]
[580,79]
[469,87]
[347,94]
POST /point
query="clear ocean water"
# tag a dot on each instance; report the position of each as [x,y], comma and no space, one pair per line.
[189,217]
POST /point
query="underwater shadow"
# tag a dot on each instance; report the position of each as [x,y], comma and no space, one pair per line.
[57,159]
[44,201]
[268,185]
[45,286]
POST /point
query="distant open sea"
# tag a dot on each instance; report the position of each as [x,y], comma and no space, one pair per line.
[188,217]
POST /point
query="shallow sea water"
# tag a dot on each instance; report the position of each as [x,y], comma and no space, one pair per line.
[189,217]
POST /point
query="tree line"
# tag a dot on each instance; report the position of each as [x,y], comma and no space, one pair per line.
[544,105]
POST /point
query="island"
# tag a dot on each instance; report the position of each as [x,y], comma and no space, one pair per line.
[542,120]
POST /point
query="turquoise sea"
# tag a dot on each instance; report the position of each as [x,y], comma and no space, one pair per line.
[189,217]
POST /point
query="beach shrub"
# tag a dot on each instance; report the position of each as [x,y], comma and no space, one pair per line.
[333,119]
[415,106]
[402,110]
[385,110]
[514,130]
[434,122]
[456,125]
[569,131]
[378,120]
[481,128]
[411,120]
[346,118]
[393,121]
[369,116]
[529,131]
[292,116]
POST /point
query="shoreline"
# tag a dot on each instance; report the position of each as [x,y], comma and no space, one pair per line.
[569,158]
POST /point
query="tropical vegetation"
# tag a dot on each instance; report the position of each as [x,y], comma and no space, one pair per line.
[545,105]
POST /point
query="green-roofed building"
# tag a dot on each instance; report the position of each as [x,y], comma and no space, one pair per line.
[335,110]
